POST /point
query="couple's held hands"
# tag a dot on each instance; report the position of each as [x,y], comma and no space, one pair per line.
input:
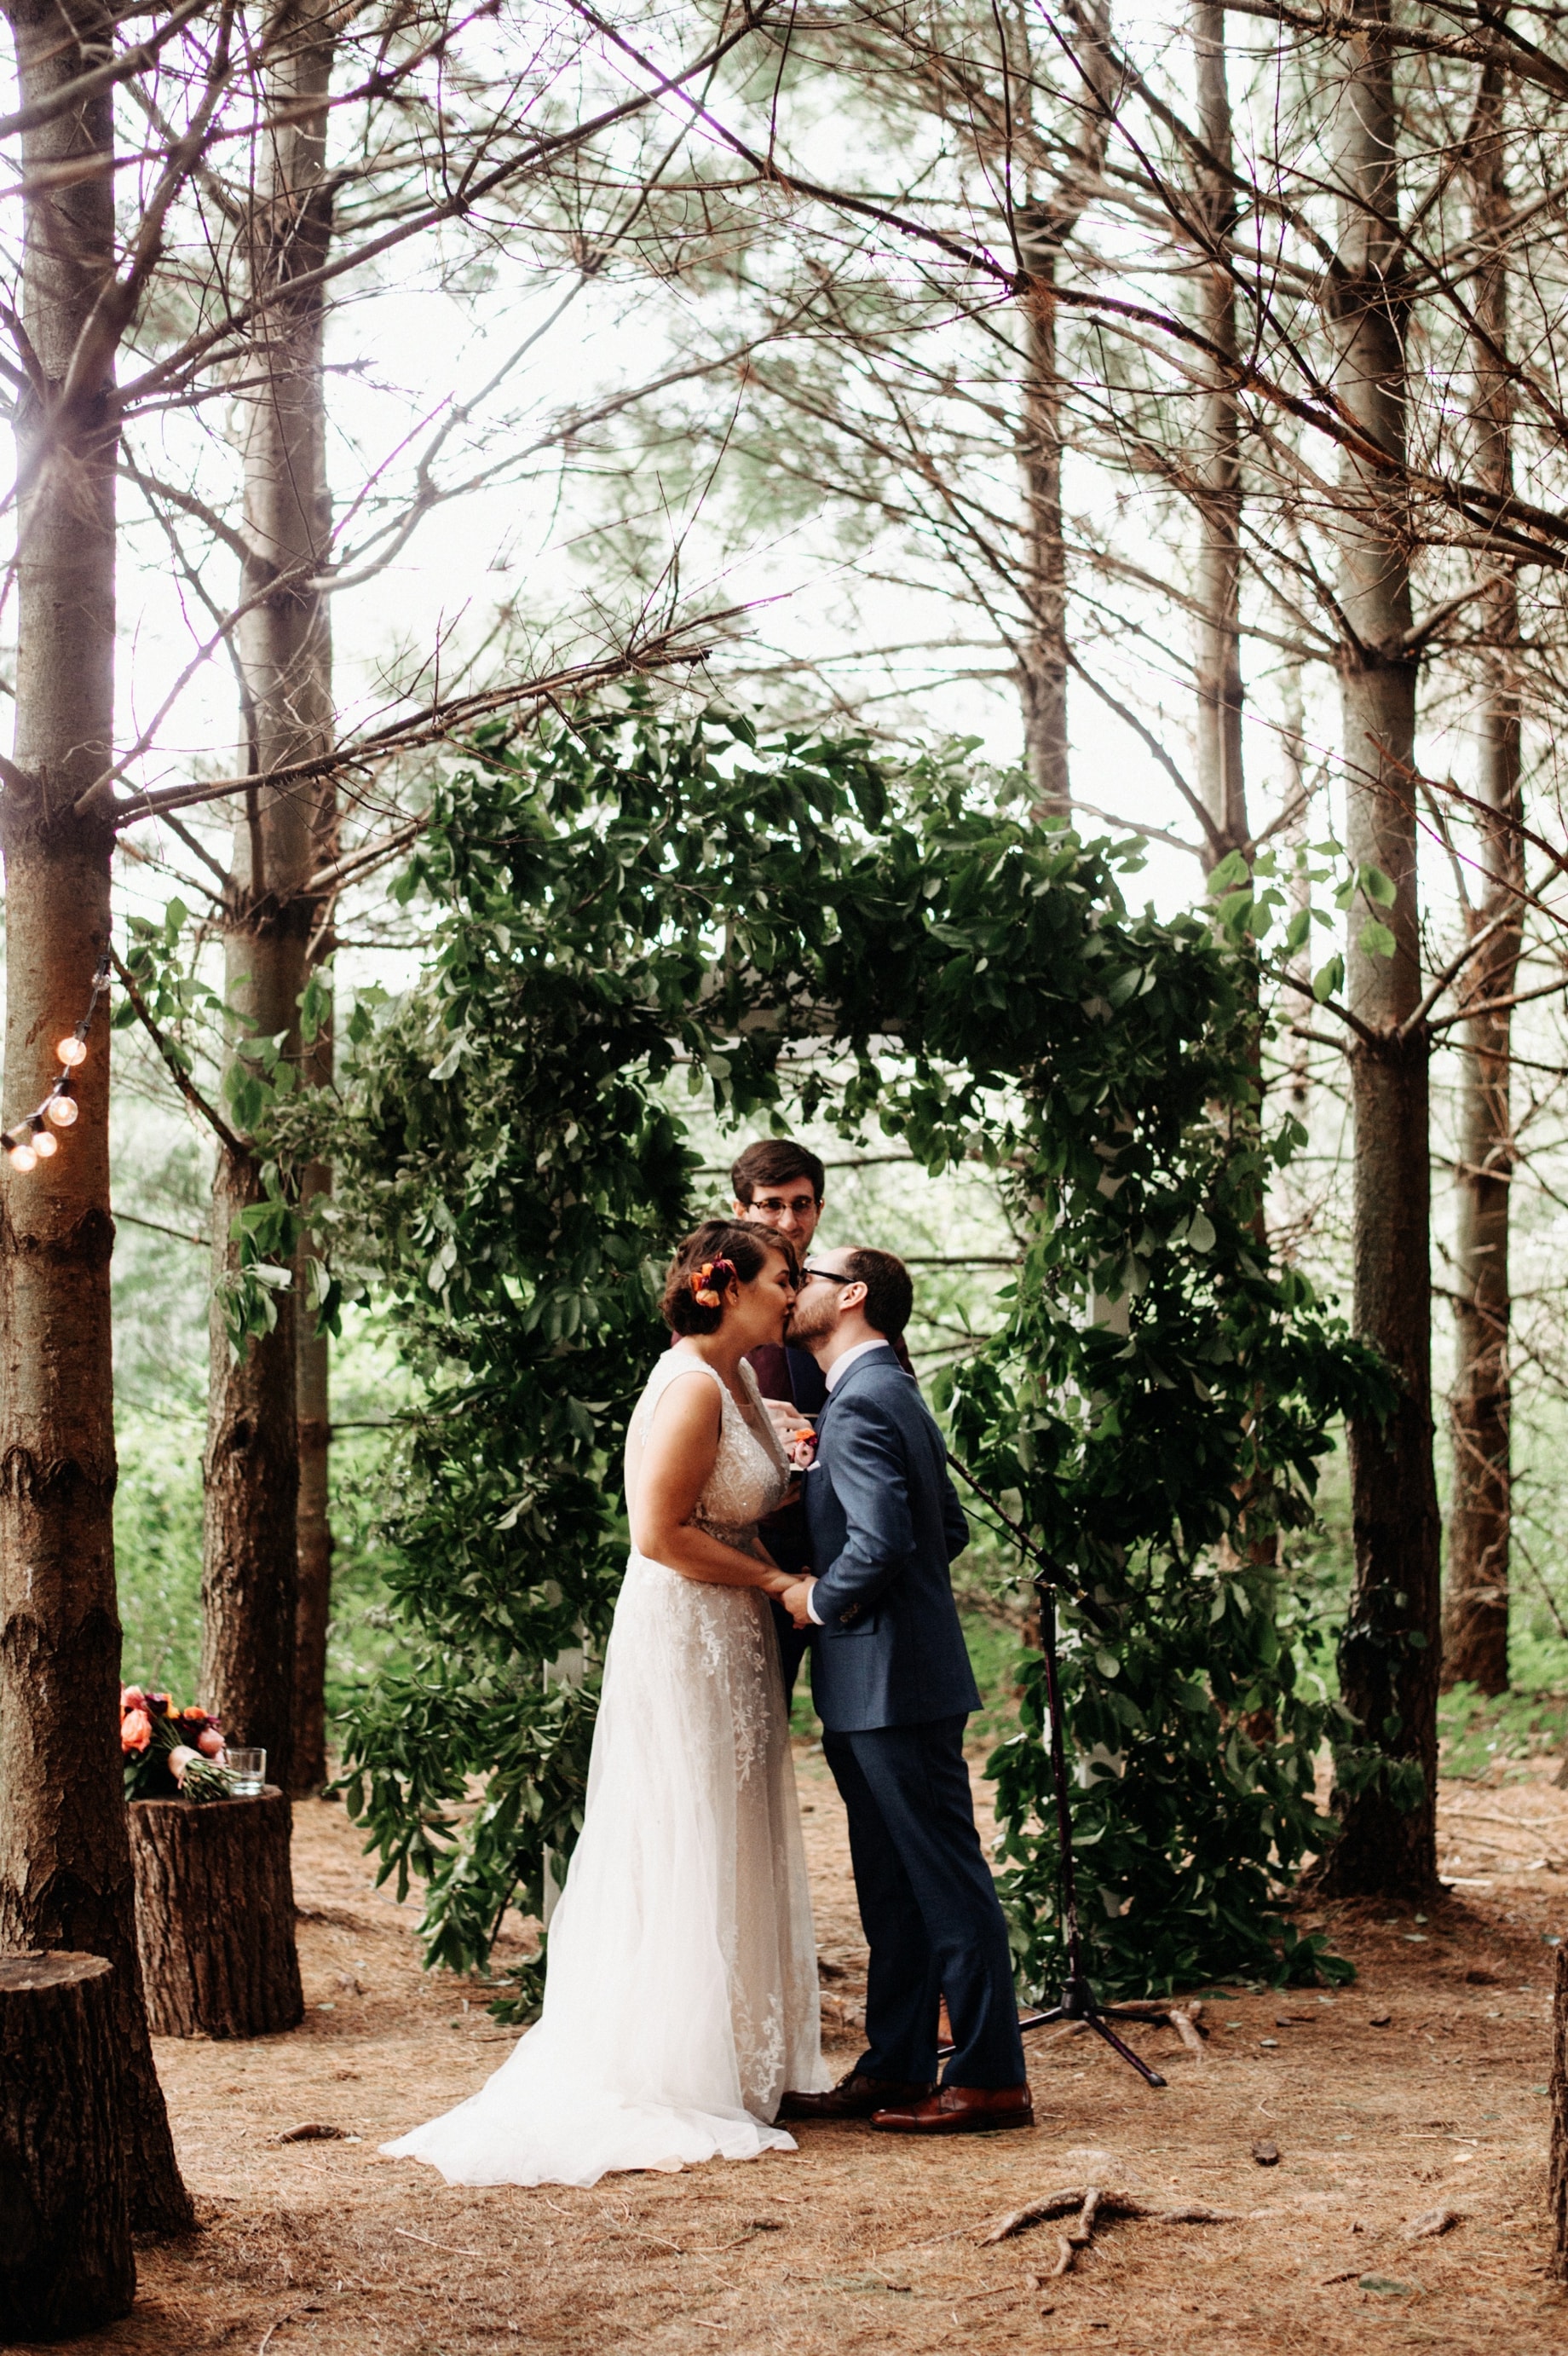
[794,1599]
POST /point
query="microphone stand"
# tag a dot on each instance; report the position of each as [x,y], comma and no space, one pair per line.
[1078,2001]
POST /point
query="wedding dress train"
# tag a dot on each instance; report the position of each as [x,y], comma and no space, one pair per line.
[681,1990]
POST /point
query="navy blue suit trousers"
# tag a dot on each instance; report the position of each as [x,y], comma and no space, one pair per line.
[928,1907]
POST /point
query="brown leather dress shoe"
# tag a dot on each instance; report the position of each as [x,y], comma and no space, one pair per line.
[959,2110]
[854,2097]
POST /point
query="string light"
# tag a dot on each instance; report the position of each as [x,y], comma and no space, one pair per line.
[32,1141]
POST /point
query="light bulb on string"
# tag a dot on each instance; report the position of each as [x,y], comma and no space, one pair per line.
[43,1139]
[22,1157]
[62,1111]
[71,1051]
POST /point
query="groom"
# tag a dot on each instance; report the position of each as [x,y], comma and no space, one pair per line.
[892,1686]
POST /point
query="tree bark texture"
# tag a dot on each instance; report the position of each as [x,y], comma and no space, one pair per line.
[66,2261]
[314,1521]
[1390,1649]
[1042,677]
[1043,230]
[215,1915]
[251,1569]
[65,1865]
[1222,784]
[1476,1606]
[1557,2195]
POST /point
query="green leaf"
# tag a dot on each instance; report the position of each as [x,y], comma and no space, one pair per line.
[1378,887]
[1376,940]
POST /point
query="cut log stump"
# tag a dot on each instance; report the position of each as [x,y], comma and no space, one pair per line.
[1559,2178]
[215,1915]
[66,2262]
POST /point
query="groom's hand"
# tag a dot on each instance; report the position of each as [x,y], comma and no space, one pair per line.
[794,1599]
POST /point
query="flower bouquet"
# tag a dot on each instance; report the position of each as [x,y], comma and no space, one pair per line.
[170,1754]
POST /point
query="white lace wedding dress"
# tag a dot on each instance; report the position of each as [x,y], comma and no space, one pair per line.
[681,1992]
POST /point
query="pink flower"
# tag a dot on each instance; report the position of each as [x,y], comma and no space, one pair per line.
[210,1742]
[131,1698]
[136,1730]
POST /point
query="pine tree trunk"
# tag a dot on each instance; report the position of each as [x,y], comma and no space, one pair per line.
[250,1578]
[65,1864]
[1557,2265]
[313,1399]
[1043,656]
[215,1916]
[66,2261]
[1476,1611]
[251,1573]
[1042,231]
[1218,468]
[1389,1652]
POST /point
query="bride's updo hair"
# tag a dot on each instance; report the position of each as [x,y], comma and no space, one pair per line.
[719,1255]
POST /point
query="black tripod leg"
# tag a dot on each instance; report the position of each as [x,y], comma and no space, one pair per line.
[1078,1997]
[1116,2046]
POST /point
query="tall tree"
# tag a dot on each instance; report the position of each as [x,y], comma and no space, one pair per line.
[250,1559]
[1217,460]
[65,1864]
[1475,1610]
[1389,1652]
[312,1403]
[1043,226]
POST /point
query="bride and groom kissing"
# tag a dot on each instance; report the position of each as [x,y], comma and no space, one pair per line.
[680,2019]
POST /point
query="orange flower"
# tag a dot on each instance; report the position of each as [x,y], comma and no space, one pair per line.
[704,1292]
[136,1730]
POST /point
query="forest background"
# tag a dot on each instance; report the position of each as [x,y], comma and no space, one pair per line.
[1165,404]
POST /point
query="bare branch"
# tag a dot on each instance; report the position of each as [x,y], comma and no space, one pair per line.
[173,1065]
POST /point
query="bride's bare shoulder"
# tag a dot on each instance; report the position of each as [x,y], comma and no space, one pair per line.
[685,1400]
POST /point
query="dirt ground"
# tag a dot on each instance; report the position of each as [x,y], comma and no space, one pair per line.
[1421,2085]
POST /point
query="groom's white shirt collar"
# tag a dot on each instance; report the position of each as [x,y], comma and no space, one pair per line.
[841,1367]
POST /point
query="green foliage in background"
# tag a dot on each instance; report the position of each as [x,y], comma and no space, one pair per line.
[157,1551]
[624,896]
[184,1014]
[157,1547]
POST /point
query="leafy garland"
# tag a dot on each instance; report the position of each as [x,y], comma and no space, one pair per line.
[626,893]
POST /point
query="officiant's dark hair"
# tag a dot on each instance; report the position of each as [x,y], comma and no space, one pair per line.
[889,1293]
[773,1161]
[748,1250]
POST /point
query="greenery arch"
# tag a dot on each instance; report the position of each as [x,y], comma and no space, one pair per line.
[624,891]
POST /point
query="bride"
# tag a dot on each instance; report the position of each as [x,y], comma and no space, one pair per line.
[681,1991]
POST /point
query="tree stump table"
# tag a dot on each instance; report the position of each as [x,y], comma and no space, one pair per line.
[215,1915]
[66,2262]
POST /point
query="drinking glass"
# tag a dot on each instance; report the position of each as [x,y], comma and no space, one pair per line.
[247,1772]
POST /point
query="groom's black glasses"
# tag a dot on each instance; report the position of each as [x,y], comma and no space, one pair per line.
[831,1274]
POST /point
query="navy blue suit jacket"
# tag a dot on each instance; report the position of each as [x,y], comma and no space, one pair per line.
[884,1522]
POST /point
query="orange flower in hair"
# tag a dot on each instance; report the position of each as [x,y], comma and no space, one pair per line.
[708,1281]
